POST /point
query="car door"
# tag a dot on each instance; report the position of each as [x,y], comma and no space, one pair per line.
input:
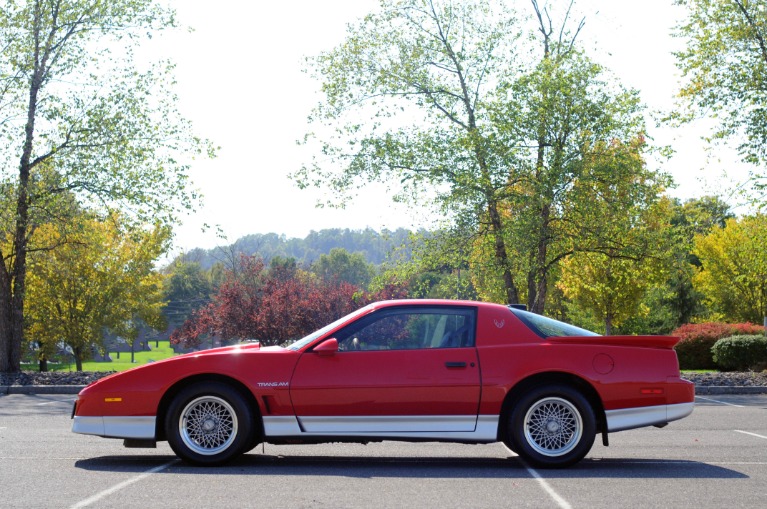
[401,369]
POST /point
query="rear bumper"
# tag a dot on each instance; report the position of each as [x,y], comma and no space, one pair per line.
[631,418]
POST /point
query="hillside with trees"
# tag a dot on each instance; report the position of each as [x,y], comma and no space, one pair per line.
[375,247]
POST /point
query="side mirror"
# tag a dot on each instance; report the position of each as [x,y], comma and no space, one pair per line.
[327,348]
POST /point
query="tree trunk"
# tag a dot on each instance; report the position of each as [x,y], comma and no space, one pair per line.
[14,289]
[537,283]
[501,255]
[5,321]
[608,324]
[78,355]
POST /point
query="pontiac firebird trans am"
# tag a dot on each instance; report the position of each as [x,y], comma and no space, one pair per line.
[410,370]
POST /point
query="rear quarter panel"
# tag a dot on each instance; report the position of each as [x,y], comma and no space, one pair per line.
[623,376]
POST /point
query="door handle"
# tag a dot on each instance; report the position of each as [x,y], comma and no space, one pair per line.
[455,364]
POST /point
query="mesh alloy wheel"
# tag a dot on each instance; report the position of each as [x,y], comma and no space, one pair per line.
[553,426]
[208,425]
[211,422]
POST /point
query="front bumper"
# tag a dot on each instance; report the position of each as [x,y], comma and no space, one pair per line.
[116,426]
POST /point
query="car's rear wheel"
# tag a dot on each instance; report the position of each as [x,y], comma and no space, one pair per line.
[552,426]
[209,423]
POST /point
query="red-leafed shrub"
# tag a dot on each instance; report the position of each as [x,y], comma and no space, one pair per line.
[273,305]
[697,339]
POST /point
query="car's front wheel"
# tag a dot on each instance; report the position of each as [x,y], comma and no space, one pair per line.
[209,423]
[552,427]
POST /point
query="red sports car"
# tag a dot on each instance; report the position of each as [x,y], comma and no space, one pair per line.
[411,370]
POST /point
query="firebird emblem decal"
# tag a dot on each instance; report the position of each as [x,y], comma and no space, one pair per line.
[272,384]
[500,323]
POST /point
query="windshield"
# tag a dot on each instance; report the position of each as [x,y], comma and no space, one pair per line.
[548,327]
[297,345]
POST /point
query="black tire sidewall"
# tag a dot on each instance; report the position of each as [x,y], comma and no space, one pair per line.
[242,410]
[516,430]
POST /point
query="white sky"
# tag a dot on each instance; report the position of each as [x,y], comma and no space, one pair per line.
[241,84]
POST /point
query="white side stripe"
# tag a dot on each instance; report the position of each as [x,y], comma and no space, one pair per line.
[486,429]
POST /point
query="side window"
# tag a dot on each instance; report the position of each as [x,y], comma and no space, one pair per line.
[410,328]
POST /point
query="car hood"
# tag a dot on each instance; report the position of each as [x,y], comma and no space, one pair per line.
[239,361]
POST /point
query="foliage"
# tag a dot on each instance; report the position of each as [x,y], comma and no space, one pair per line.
[724,70]
[609,286]
[186,288]
[273,306]
[82,117]
[474,120]
[698,216]
[586,156]
[673,301]
[436,268]
[697,339]
[101,278]
[423,82]
[741,353]
[610,275]
[342,265]
[733,275]
[375,247]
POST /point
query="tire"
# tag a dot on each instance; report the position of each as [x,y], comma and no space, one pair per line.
[552,427]
[209,424]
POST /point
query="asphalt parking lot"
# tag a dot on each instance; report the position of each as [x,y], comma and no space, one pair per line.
[717,457]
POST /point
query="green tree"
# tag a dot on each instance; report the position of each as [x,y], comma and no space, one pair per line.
[186,288]
[700,215]
[733,272]
[341,265]
[80,117]
[696,216]
[101,278]
[724,70]
[419,73]
[436,266]
[583,133]
[674,301]
[609,287]
[609,274]
[460,113]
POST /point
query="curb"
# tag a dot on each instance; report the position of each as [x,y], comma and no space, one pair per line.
[724,389]
[704,390]
[40,389]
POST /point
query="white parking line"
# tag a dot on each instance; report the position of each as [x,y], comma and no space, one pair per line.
[561,502]
[720,402]
[117,487]
[752,434]
[68,401]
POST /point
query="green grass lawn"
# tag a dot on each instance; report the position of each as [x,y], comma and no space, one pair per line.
[163,351]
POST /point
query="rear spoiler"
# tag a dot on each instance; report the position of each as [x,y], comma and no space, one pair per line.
[664,342]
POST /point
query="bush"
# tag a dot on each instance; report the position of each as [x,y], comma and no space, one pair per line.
[740,353]
[697,340]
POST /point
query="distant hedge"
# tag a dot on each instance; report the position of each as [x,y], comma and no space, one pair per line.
[741,353]
[697,340]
